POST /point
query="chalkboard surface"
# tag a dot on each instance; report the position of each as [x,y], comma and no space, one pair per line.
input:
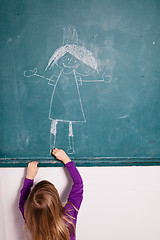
[83,76]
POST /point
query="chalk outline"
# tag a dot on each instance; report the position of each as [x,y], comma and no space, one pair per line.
[70,48]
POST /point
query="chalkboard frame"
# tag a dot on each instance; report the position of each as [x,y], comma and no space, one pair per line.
[83,162]
[121,48]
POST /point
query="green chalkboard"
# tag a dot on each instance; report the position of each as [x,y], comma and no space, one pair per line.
[83,76]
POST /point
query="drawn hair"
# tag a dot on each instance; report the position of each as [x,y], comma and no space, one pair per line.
[80,52]
[45,216]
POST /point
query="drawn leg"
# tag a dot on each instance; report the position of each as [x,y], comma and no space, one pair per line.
[71,142]
[53,133]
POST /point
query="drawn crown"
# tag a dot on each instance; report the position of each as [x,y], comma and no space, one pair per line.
[70,36]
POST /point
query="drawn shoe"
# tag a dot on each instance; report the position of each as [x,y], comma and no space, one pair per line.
[70,151]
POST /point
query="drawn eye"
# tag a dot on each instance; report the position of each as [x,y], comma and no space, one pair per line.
[64,58]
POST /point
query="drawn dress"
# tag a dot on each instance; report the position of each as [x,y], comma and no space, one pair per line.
[66,102]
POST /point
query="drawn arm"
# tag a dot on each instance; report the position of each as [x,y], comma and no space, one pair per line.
[105,78]
[31,73]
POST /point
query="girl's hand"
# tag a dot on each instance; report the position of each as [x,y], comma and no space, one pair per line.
[32,170]
[61,155]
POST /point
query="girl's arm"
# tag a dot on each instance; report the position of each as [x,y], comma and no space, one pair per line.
[28,182]
[24,194]
[76,193]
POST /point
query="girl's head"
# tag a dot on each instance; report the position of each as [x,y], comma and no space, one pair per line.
[44,214]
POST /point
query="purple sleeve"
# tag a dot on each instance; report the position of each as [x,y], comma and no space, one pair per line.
[24,194]
[76,193]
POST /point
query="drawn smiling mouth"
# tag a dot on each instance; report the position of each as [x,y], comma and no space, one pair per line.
[71,66]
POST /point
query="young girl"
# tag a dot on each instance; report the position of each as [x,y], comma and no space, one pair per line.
[42,210]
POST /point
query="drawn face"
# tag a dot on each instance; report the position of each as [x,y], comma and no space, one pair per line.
[68,61]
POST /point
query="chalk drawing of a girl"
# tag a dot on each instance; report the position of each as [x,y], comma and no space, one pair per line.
[74,62]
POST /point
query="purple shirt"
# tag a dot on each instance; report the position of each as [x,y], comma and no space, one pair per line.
[75,196]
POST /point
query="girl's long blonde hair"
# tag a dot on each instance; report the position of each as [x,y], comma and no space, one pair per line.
[46,218]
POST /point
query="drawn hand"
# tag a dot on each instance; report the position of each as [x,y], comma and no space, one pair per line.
[32,170]
[106,78]
[61,155]
[30,73]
